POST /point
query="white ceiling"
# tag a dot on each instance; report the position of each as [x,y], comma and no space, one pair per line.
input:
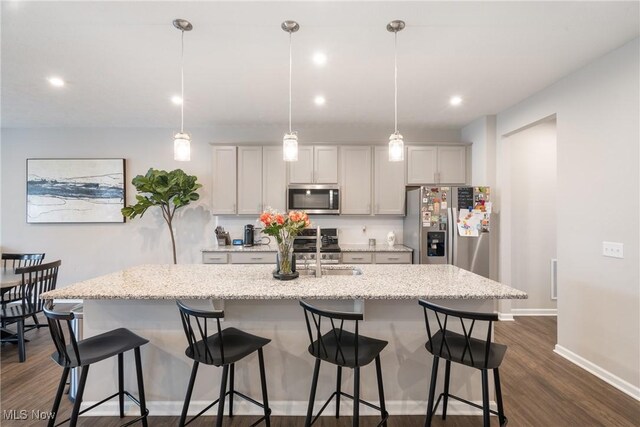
[120,60]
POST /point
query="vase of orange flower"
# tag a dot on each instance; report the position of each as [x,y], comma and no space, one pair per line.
[284,228]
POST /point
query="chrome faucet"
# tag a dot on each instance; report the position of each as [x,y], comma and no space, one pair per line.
[318,245]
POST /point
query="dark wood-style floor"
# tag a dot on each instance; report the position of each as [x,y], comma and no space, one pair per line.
[540,388]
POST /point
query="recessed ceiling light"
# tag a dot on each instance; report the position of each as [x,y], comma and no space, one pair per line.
[320,58]
[319,100]
[455,100]
[56,81]
[176,100]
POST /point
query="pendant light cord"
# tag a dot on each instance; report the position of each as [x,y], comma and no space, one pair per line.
[290,72]
[182,82]
[395,48]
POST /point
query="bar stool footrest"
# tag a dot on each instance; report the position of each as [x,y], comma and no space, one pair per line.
[385,414]
[126,393]
[245,397]
[475,405]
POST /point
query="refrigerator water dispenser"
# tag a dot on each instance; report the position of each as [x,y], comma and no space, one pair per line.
[435,243]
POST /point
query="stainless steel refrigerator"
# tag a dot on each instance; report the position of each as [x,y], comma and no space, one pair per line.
[449,225]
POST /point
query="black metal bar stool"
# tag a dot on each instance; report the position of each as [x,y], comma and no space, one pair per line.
[224,348]
[344,349]
[465,350]
[88,351]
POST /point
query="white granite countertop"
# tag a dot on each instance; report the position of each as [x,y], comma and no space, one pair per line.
[240,248]
[377,248]
[226,281]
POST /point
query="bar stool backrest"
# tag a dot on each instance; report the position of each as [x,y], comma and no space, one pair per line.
[442,315]
[195,324]
[56,320]
[313,317]
[13,261]
[36,280]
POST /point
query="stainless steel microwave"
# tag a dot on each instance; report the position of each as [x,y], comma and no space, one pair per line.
[314,199]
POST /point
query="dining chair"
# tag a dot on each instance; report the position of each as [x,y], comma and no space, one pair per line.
[12,262]
[36,280]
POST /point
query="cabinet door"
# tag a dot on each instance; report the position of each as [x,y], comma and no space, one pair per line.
[355,180]
[249,180]
[389,187]
[223,190]
[301,172]
[452,165]
[422,165]
[274,179]
[325,164]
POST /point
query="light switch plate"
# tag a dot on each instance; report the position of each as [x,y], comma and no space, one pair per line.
[613,249]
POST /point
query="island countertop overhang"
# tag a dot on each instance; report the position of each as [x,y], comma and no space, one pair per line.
[254,282]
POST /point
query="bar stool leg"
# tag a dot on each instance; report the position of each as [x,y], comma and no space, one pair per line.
[496,378]
[223,391]
[338,388]
[121,384]
[76,405]
[56,401]
[143,402]
[445,400]
[432,391]
[187,399]
[485,398]
[356,396]
[312,397]
[263,382]
[383,408]
[231,389]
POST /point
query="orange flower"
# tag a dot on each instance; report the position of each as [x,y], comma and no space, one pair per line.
[266,218]
[294,216]
[280,219]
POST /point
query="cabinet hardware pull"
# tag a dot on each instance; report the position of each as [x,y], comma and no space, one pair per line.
[393,258]
[358,257]
[256,258]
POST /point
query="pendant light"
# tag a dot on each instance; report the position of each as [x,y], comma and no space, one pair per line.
[290,140]
[182,140]
[396,143]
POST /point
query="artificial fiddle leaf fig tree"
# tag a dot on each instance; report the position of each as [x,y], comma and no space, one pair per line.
[169,190]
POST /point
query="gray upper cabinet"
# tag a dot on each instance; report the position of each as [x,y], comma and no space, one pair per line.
[422,165]
[452,165]
[301,171]
[224,186]
[355,180]
[436,165]
[274,178]
[249,180]
[389,184]
[316,165]
[325,164]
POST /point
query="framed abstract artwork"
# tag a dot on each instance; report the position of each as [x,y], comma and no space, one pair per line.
[75,190]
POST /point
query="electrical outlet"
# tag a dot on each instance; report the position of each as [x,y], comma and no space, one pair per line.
[613,249]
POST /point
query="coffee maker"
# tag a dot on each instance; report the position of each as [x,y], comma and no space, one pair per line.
[248,235]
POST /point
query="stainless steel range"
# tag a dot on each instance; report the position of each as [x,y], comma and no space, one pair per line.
[304,245]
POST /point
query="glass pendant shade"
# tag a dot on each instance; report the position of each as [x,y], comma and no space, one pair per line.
[396,148]
[290,147]
[182,147]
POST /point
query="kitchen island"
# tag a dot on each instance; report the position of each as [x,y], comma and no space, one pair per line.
[143,299]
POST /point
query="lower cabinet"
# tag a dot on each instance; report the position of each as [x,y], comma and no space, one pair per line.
[238,257]
[376,257]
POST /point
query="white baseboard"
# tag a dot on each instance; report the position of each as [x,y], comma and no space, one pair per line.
[505,317]
[534,311]
[596,370]
[282,408]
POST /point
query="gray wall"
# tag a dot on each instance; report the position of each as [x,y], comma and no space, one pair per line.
[597,110]
[88,250]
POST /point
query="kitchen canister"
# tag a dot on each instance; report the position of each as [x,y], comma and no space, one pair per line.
[391,239]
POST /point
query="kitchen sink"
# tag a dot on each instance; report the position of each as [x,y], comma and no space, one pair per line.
[347,271]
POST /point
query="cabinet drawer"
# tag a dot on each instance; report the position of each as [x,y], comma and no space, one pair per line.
[393,258]
[214,258]
[357,257]
[253,258]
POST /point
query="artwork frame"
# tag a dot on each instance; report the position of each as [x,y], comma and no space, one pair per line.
[75,190]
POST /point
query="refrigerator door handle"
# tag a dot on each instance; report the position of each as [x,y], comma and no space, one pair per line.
[451,228]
